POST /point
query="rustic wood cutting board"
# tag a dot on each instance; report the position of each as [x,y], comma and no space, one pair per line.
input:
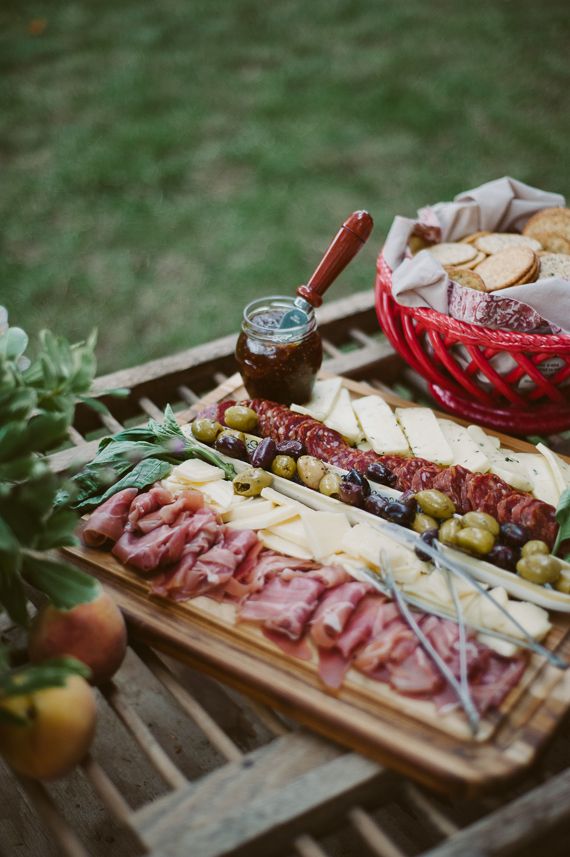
[403,733]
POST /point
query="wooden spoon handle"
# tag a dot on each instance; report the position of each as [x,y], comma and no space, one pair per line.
[351,236]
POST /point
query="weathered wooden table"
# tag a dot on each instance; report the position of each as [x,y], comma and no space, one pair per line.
[183,765]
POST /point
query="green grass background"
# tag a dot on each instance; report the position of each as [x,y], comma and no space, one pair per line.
[164,162]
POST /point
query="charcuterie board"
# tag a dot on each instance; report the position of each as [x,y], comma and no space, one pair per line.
[405,733]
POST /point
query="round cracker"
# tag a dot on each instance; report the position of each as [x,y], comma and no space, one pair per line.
[470,239]
[531,276]
[465,277]
[555,265]
[497,241]
[453,253]
[507,267]
[549,220]
[476,261]
[554,242]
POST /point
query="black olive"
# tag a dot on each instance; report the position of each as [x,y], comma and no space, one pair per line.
[232,446]
[504,556]
[358,479]
[293,448]
[378,472]
[428,537]
[399,512]
[514,535]
[351,493]
[264,453]
[375,504]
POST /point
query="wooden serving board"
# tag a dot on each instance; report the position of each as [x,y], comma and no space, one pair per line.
[406,734]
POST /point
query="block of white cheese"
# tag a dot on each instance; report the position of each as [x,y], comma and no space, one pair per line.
[540,475]
[368,544]
[322,400]
[466,451]
[265,519]
[507,465]
[534,619]
[424,434]
[342,418]
[221,494]
[284,546]
[380,426]
[293,530]
[196,471]
[487,443]
[325,531]
[243,511]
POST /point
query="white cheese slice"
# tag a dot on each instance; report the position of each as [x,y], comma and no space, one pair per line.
[284,546]
[241,512]
[282,499]
[293,530]
[466,451]
[533,618]
[342,418]
[364,445]
[322,400]
[556,465]
[194,470]
[506,464]
[424,434]
[264,520]
[221,494]
[324,531]
[487,443]
[365,543]
[380,426]
[540,475]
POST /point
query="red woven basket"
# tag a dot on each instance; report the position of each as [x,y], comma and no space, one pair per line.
[464,381]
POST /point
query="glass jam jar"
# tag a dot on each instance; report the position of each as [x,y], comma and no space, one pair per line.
[280,365]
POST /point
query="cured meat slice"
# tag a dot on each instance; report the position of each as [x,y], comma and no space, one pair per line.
[201,533]
[334,612]
[394,643]
[258,567]
[189,501]
[329,575]
[215,411]
[416,675]
[148,502]
[107,522]
[284,606]
[214,567]
[497,680]
[149,552]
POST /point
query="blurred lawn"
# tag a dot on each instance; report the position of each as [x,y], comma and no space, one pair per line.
[164,162]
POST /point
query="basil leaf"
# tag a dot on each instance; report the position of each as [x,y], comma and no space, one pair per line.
[144,473]
[65,585]
[12,595]
[563,518]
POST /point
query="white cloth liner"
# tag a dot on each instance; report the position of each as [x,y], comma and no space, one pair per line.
[503,205]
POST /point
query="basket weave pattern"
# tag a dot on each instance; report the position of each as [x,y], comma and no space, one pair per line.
[455,357]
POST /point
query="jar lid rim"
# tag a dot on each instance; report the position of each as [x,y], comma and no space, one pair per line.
[286,302]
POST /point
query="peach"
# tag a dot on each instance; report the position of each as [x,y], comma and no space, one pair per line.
[93,632]
[59,729]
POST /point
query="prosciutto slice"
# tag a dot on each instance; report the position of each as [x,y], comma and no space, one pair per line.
[284,606]
[329,575]
[189,501]
[258,567]
[216,566]
[334,612]
[108,521]
[202,532]
[149,552]
[148,502]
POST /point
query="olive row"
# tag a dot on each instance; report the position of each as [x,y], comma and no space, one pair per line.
[430,513]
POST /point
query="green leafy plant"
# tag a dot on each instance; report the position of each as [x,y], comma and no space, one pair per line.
[37,403]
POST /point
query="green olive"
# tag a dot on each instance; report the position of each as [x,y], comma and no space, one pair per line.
[449,530]
[539,568]
[330,484]
[435,503]
[241,418]
[474,540]
[251,482]
[310,470]
[422,523]
[563,582]
[535,546]
[251,444]
[284,465]
[206,431]
[234,433]
[482,521]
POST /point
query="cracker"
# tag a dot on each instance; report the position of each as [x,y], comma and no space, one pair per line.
[549,220]
[476,261]
[554,242]
[470,239]
[507,267]
[497,241]
[555,265]
[465,277]
[531,276]
[453,253]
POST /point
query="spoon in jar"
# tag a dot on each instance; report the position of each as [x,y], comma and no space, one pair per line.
[351,236]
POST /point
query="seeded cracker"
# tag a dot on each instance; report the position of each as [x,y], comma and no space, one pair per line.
[555,265]
[507,267]
[553,242]
[549,220]
[497,241]
[453,253]
[466,278]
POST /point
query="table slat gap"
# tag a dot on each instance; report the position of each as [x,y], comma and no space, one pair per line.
[148,406]
[63,834]
[213,732]
[306,846]
[426,807]
[144,737]
[188,395]
[107,791]
[75,436]
[269,718]
[111,424]
[360,337]
[330,349]
[376,840]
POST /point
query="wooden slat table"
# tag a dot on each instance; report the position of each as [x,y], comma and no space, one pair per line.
[185,766]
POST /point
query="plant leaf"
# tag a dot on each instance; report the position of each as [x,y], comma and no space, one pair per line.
[12,595]
[563,518]
[65,585]
[144,473]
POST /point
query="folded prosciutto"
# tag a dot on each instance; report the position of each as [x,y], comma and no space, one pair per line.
[284,606]
[162,546]
[148,502]
[202,532]
[107,522]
